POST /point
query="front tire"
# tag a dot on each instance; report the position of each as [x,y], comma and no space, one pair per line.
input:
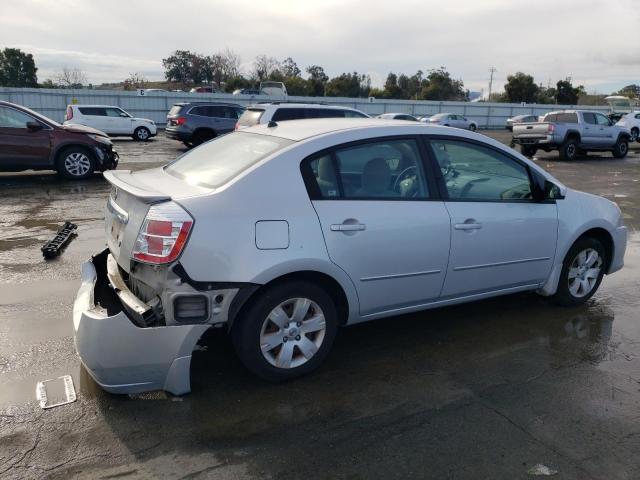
[75,163]
[582,272]
[286,332]
[635,135]
[141,134]
[569,150]
[621,148]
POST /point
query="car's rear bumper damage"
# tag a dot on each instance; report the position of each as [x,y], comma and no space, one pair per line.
[121,356]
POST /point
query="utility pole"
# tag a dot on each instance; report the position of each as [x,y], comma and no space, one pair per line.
[492,70]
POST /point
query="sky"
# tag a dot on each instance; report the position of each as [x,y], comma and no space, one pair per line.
[595,42]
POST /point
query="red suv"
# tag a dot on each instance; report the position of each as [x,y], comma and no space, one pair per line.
[30,141]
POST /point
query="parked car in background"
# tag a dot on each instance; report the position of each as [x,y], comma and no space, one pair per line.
[452,120]
[247,91]
[572,132]
[631,121]
[112,120]
[281,111]
[204,89]
[619,106]
[196,122]
[360,232]
[397,116]
[30,141]
[278,90]
[520,119]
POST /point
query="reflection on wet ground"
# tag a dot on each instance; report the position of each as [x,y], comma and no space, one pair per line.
[483,390]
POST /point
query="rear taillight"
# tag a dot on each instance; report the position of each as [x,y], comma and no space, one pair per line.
[163,234]
[551,128]
[69,114]
[179,121]
[237,126]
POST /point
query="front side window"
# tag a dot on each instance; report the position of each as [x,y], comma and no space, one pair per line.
[10,118]
[222,159]
[477,173]
[115,112]
[602,120]
[384,170]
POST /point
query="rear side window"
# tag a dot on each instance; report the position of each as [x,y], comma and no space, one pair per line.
[567,118]
[93,111]
[283,114]
[218,161]
[175,110]
[383,170]
[325,113]
[589,118]
[201,111]
[250,117]
[551,117]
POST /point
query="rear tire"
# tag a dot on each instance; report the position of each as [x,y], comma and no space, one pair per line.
[579,279]
[635,135]
[202,136]
[621,148]
[569,150]
[75,163]
[473,127]
[141,134]
[277,344]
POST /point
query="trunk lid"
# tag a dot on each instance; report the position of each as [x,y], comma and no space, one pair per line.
[531,129]
[132,194]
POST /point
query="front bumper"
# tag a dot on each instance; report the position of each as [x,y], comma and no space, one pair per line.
[120,356]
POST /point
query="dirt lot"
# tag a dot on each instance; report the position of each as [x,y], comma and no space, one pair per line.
[485,390]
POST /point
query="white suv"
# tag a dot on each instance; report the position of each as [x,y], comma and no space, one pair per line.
[111,120]
[280,111]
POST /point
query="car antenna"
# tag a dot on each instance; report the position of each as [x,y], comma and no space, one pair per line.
[272,124]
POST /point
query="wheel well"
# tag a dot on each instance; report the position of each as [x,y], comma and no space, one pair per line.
[573,136]
[328,283]
[605,239]
[204,129]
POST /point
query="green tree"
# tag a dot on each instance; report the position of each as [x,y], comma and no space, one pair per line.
[289,68]
[317,80]
[566,93]
[391,87]
[440,86]
[521,87]
[178,67]
[17,69]
[349,85]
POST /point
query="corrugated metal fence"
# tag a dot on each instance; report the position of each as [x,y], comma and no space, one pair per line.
[154,105]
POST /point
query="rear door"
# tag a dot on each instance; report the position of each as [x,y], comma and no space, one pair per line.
[500,238]
[95,117]
[20,147]
[382,221]
[590,129]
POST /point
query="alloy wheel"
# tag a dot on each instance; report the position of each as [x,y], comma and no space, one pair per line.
[143,134]
[292,333]
[584,272]
[77,164]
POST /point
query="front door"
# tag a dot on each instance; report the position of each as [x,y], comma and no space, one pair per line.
[118,122]
[500,238]
[380,223]
[20,147]
[606,131]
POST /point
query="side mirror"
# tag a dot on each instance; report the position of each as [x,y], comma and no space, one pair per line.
[538,183]
[124,115]
[34,126]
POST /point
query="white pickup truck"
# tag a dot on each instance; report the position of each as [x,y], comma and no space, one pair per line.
[572,132]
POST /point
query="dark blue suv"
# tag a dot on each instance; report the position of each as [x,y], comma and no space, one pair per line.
[195,122]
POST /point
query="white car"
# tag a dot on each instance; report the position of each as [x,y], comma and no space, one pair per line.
[111,120]
[263,113]
[283,233]
[631,121]
[397,116]
[451,120]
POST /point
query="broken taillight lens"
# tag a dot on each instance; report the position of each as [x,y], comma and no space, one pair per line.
[163,234]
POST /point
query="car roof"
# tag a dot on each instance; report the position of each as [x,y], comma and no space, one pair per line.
[298,130]
[298,105]
[92,105]
[204,102]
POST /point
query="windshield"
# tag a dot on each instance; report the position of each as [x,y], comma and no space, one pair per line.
[440,115]
[218,161]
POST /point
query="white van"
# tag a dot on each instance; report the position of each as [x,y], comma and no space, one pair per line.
[111,120]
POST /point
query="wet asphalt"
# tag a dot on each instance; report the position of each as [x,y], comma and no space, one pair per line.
[483,390]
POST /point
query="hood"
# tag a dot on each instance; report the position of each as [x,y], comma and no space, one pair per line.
[148,120]
[70,127]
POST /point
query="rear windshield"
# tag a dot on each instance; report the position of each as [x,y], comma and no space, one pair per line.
[175,110]
[250,117]
[218,161]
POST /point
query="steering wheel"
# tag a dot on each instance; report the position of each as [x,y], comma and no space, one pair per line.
[402,175]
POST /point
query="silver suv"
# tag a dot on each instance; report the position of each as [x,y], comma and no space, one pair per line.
[196,122]
[264,113]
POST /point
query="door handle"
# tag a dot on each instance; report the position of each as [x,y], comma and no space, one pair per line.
[348,227]
[467,226]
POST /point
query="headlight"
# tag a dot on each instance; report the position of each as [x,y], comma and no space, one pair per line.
[99,138]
